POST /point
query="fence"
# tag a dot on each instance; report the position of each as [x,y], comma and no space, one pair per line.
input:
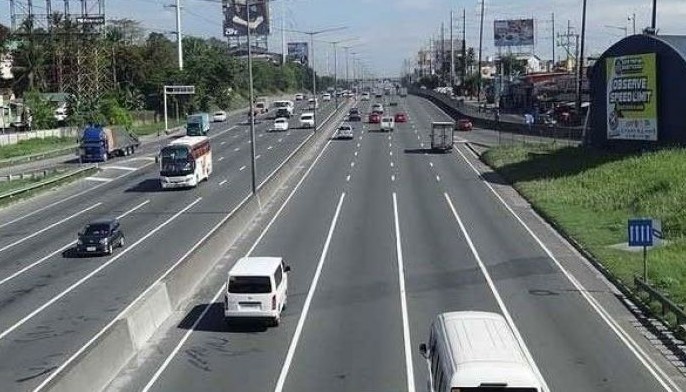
[14,138]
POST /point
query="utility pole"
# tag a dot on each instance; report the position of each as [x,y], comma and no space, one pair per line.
[452,50]
[632,18]
[553,21]
[580,60]
[481,39]
[283,34]
[179,36]
[252,105]
[464,48]
[443,52]
[654,19]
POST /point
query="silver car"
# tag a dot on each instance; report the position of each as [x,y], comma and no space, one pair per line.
[345,132]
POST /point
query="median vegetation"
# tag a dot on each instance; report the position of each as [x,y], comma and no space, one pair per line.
[590,195]
[36,146]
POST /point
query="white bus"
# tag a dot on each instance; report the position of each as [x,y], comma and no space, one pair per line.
[185,162]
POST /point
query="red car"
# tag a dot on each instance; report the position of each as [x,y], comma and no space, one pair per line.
[374,118]
[400,117]
[464,124]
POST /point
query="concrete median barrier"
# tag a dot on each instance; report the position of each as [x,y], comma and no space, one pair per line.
[96,363]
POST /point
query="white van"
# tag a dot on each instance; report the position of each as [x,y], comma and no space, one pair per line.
[476,352]
[257,288]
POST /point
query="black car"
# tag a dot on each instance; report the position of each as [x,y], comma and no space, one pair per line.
[354,117]
[100,236]
[354,111]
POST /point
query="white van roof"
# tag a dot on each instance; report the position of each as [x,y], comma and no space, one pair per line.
[484,350]
[255,266]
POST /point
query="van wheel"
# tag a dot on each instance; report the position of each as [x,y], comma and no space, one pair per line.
[276,321]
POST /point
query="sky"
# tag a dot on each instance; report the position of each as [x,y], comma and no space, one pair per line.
[384,33]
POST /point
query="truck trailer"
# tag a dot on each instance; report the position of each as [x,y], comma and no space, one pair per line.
[98,143]
[198,124]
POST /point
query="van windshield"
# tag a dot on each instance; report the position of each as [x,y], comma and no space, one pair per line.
[250,285]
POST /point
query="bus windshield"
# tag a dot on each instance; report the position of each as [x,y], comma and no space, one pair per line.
[176,161]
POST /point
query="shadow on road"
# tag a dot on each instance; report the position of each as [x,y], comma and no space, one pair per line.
[214,321]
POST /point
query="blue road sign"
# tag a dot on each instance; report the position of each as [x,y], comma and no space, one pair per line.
[640,232]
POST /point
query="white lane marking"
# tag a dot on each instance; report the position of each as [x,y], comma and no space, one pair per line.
[403,299]
[223,182]
[260,135]
[352,164]
[63,248]
[136,159]
[391,163]
[99,179]
[269,148]
[237,149]
[258,156]
[347,179]
[495,292]
[421,145]
[221,159]
[188,333]
[280,140]
[392,177]
[358,145]
[310,294]
[355,153]
[126,168]
[438,178]
[242,168]
[222,143]
[94,272]
[235,136]
[628,341]
[43,230]
[431,164]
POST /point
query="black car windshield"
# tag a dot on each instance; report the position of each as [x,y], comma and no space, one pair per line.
[250,285]
[97,230]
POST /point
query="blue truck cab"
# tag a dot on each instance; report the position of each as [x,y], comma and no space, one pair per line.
[99,143]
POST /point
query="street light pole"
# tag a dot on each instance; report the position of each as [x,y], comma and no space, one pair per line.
[580,60]
[252,103]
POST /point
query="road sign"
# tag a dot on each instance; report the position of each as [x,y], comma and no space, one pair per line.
[640,232]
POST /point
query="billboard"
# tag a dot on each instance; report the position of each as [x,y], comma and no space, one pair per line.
[298,52]
[235,13]
[631,97]
[513,32]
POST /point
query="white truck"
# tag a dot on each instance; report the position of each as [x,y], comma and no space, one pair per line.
[442,136]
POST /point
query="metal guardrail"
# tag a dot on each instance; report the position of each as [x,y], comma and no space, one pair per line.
[667,306]
[75,173]
[38,156]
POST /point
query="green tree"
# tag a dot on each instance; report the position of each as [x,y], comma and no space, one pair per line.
[41,112]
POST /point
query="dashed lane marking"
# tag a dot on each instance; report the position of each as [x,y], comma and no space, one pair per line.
[242,168]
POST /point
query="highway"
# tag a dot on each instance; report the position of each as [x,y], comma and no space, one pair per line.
[52,303]
[382,235]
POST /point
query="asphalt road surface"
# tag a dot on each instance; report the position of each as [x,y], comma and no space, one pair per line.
[52,303]
[382,235]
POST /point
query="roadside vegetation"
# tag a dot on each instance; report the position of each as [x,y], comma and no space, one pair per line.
[51,180]
[592,194]
[35,146]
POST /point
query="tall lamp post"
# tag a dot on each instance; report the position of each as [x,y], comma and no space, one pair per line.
[312,33]
[580,60]
[335,64]
[252,102]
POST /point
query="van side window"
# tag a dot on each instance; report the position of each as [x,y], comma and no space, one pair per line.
[278,275]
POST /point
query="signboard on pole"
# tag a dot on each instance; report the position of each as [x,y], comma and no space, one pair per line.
[513,32]
[235,24]
[631,97]
[298,52]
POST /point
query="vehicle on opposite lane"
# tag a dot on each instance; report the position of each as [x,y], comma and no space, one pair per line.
[464,124]
[307,120]
[185,162]
[100,237]
[219,116]
[280,124]
[257,288]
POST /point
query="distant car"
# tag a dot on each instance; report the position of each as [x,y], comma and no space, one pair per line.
[378,95]
[365,96]
[354,111]
[312,104]
[377,108]
[345,132]
[299,97]
[261,107]
[280,124]
[400,117]
[326,97]
[464,124]
[307,120]
[100,237]
[374,118]
[219,116]
[387,124]
[354,117]
[393,103]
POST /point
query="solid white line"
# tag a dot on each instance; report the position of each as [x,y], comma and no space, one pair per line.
[93,273]
[628,341]
[63,248]
[43,230]
[403,299]
[223,182]
[126,168]
[496,294]
[306,307]
[220,159]
[99,179]
[242,168]
[193,328]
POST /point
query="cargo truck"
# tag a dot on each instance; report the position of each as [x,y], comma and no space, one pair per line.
[442,136]
[98,143]
[403,92]
[198,124]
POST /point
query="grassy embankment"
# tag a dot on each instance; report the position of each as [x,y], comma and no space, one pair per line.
[592,194]
[35,146]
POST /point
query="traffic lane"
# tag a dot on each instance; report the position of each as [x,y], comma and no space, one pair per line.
[353,339]
[441,275]
[573,347]
[245,356]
